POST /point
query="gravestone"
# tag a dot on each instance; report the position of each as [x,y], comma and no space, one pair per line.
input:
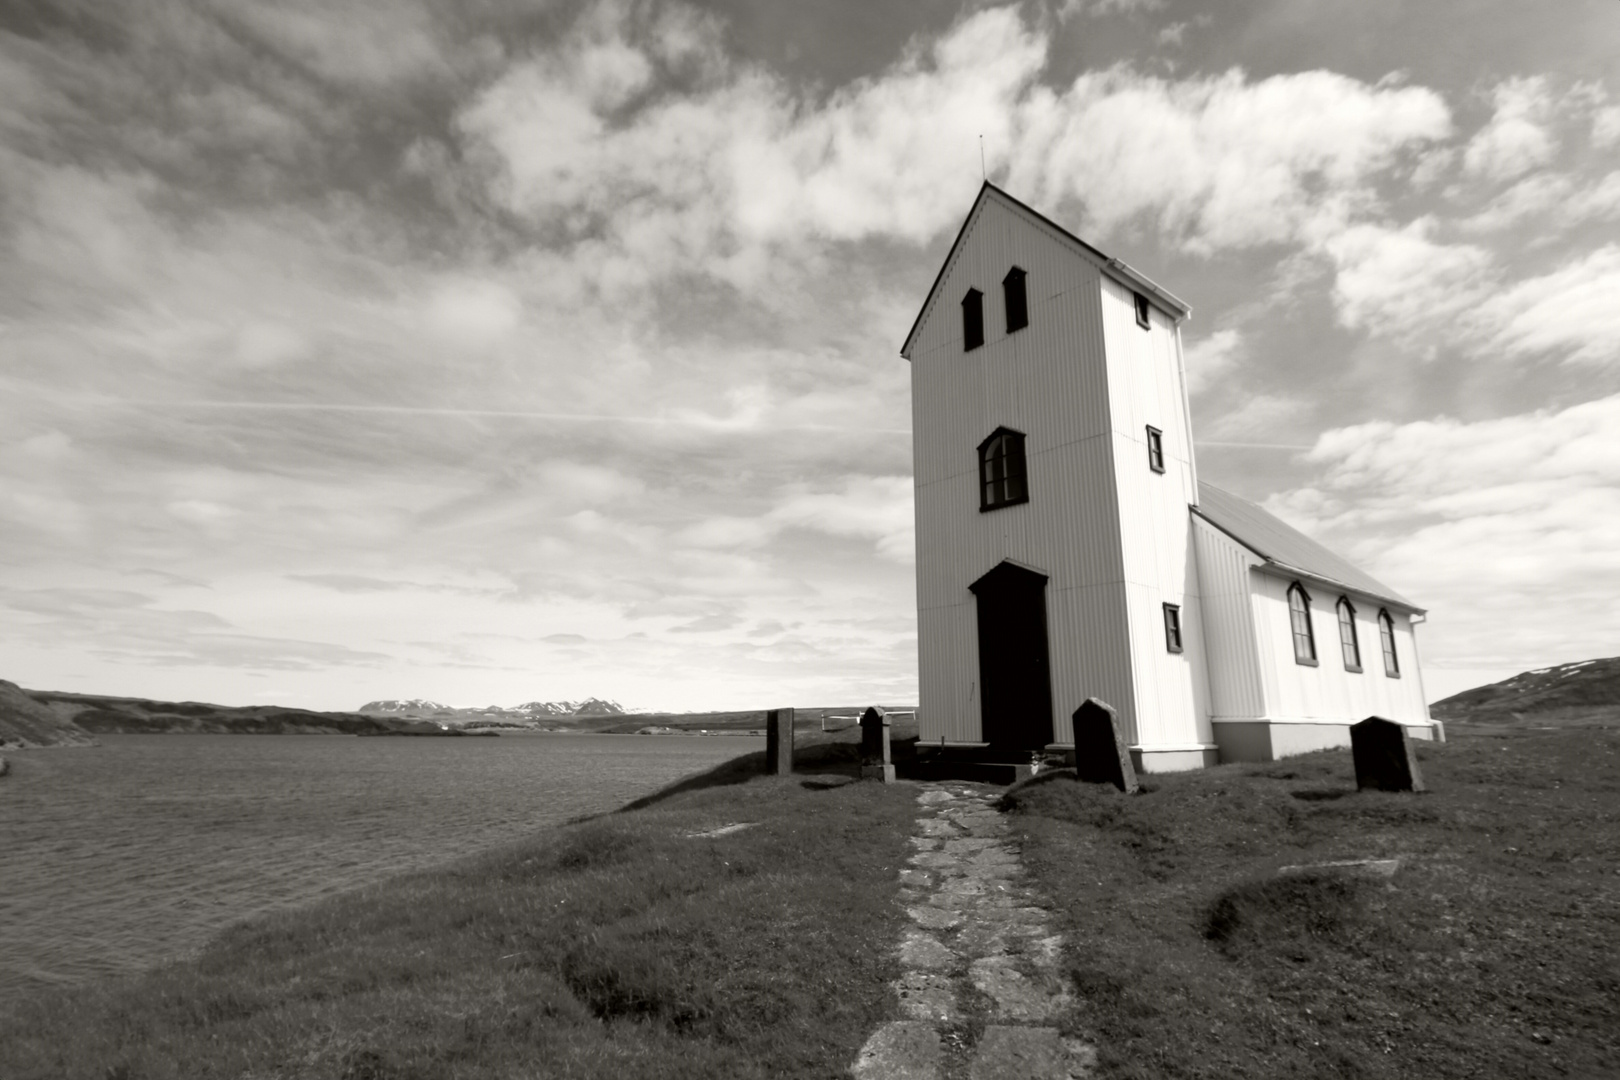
[1101,755]
[875,761]
[1384,756]
[779,742]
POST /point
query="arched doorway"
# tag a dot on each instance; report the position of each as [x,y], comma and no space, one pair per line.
[1015,681]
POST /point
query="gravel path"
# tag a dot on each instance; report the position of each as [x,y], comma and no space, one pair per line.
[981,995]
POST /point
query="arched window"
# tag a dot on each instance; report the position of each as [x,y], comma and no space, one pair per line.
[1299,615]
[1348,642]
[972,320]
[1002,479]
[1012,290]
[1386,632]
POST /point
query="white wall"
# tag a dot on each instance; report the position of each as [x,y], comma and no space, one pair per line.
[1297,692]
[1236,690]
[1171,708]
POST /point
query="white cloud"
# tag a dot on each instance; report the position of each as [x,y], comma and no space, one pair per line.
[1264,418]
[1209,359]
[739,176]
[1571,312]
[1503,528]
[1518,137]
[1606,127]
[1395,280]
[1220,161]
[867,507]
[473,313]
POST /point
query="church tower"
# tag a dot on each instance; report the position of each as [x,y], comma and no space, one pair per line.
[1054,476]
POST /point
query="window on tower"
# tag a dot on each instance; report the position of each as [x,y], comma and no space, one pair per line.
[1155,445]
[972,320]
[1141,311]
[1003,480]
[1172,627]
[1012,290]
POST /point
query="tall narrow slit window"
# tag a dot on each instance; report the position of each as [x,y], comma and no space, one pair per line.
[1141,311]
[1299,617]
[1348,643]
[972,320]
[1172,627]
[1155,445]
[1012,290]
[1386,633]
[1002,477]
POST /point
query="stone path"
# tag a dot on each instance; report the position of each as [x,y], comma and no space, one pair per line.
[980,994]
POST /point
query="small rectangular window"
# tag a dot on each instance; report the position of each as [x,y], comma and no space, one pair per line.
[1141,311]
[1172,627]
[1155,445]
[972,320]
[1012,290]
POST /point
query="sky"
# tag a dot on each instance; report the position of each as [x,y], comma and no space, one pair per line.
[504,351]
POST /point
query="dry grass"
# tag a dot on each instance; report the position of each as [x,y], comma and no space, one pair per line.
[1493,951]
[614,947]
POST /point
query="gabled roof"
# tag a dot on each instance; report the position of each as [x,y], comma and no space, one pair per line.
[1114,268]
[1285,548]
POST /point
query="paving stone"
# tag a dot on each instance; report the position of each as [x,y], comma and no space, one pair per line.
[900,1050]
[937,826]
[924,843]
[916,879]
[933,918]
[935,860]
[920,950]
[927,995]
[967,845]
[934,798]
[1030,1053]
[1017,996]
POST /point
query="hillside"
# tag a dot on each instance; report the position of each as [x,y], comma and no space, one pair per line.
[121,715]
[27,722]
[1583,691]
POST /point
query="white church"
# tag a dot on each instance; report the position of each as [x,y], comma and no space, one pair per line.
[1066,548]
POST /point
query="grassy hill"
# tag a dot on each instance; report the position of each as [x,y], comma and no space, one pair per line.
[1582,693]
[125,715]
[25,721]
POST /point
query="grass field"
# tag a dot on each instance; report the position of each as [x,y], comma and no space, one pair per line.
[623,946]
[1493,950]
[1202,941]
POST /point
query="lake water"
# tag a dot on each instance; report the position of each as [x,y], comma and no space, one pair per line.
[116,857]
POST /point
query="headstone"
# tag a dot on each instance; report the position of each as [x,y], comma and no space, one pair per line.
[779,742]
[1384,756]
[1101,755]
[875,761]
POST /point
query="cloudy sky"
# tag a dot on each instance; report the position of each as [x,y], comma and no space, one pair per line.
[505,350]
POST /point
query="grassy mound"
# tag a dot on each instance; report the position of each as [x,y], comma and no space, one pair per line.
[624,945]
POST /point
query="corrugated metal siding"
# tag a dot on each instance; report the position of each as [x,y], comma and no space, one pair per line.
[1235,686]
[1171,700]
[1048,381]
[1327,691]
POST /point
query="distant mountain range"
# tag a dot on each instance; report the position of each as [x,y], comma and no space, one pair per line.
[527,711]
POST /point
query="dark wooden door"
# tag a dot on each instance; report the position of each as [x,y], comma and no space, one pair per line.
[1015,679]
